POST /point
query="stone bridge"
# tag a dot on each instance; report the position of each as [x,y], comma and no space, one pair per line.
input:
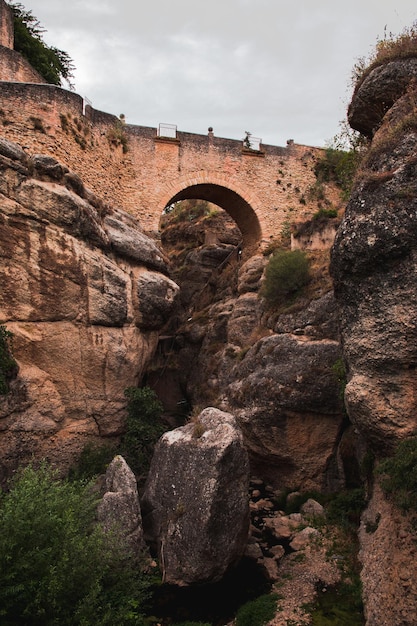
[142,169]
[143,172]
[259,188]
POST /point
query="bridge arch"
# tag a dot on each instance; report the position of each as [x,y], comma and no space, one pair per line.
[229,197]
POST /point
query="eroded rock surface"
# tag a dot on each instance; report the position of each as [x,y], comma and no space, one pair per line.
[286,397]
[195,505]
[75,279]
[119,509]
[374,265]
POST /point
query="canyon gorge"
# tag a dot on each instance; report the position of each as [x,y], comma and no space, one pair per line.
[261,402]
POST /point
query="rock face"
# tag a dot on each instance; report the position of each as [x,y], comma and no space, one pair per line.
[275,372]
[74,278]
[195,505]
[376,94]
[283,388]
[286,397]
[374,265]
[119,507]
[388,555]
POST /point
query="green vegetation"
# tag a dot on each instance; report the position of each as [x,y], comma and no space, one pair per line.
[8,365]
[116,136]
[190,211]
[339,370]
[57,566]
[92,462]
[345,508]
[257,612]
[143,428]
[324,214]
[54,65]
[338,166]
[342,605]
[338,607]
[399,475]
[286,274]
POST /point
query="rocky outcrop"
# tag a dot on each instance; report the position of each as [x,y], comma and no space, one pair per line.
[278,373]
[284,388]
[77,285]
[119,509]
[286,397]
[388,555]
[378,91]
[374,265]
[195,505]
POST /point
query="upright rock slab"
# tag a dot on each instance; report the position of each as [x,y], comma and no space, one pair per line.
[119,508]
[195,506]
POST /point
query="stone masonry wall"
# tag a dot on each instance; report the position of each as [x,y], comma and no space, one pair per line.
[129,167]
[14,67]
[6,26]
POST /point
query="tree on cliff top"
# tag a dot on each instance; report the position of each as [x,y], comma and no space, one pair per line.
[54,65]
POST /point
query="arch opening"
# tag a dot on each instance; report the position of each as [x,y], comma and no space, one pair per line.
[236,206]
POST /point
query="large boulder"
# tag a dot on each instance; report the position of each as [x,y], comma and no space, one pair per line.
[286,395]
[378,91]
[195,505]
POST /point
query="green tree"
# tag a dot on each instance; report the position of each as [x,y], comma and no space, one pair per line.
[285,276]
[54,65]
[57,566]
[143,428]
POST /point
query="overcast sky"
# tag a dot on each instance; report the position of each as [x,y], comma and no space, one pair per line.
[279,69]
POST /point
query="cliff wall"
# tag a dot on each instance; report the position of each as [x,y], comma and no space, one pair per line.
[374,265]
[84,293]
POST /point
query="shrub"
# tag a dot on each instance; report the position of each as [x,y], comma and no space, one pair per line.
[8,365]
[57,566]
[116,136]
[338,166]
[285,276]
[143,428]
[93,461]
[257,612]
[346,507]
[399,475]
[325,214]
